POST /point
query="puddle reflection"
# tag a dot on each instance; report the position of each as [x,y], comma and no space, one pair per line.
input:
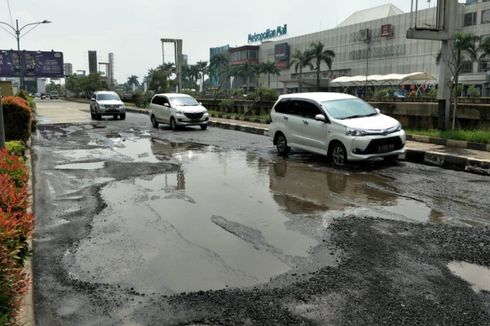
[477,276]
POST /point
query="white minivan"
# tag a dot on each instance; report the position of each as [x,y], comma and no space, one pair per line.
[341,126]
[177,110]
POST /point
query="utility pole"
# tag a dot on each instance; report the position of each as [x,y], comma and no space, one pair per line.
[178,58]
[443,30]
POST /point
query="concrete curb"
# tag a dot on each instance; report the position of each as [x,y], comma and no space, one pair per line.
[26,311]
[450,142]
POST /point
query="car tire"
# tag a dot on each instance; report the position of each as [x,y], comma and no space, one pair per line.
[98,116]
[154,121]
[114,116]
[173,124]
[204,127]
[282,144]
[92,114]
[338,154]
[122,116]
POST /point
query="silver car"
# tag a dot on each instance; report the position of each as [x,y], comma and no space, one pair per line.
[177,110]
[106,103]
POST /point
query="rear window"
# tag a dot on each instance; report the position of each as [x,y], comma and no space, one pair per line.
[281,106]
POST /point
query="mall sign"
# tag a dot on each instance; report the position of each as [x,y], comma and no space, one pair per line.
[268,34]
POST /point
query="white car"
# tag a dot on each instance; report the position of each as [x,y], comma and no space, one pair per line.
[106,103]
[177,110]
[341,126]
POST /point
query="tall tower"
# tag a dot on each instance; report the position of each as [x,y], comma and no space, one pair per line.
[110,71]
[92,62]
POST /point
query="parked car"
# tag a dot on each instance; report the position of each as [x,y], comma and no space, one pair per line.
[177,110]
[106,103]
[43,96]
[54,95]
[341,126]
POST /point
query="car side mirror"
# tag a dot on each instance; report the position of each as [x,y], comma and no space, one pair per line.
[378,110]
[166,104]
[320,117]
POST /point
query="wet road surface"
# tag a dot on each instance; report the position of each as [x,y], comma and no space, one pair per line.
[137,226]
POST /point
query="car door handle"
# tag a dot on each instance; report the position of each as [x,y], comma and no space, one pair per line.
[285,118]
[305,122]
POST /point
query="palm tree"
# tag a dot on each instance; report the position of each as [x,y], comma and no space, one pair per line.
[319,54]
[202,67]
[133,82]
[217,66]
[299,60]
[269,68]
[247,71]
[465,45]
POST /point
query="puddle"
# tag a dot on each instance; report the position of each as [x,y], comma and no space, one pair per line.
[225,219]
[199,228]
[301,189]
[81,166]
[476,275]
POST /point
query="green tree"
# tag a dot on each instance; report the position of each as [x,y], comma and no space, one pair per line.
[269,68]
[202,67]
[247,71]
[465,46]
[299,60]
[219,68]
[133,81]
[158,80]
[319,54]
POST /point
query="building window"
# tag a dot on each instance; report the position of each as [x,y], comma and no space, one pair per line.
[485,16]
[483,66]
[470,19]
[467,67]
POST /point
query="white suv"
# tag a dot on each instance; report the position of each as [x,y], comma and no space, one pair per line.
[341,126]
[177,110]
[106,103]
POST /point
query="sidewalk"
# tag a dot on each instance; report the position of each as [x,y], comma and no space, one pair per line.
[448,157]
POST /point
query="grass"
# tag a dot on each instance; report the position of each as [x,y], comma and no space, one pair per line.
[235,116]
[474,136]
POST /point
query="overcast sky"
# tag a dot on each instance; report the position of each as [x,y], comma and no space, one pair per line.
[132,29]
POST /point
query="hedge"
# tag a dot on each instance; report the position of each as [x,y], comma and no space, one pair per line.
[17,117]
[16,225]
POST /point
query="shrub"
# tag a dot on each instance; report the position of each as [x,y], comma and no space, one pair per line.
[16,147]
[226,105]
[264,94]
[15,227]
[17,116]
[12,166]
[472,91]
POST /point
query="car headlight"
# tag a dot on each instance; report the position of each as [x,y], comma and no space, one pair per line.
[355,132]
[179,112]
[397,128]
[101,106]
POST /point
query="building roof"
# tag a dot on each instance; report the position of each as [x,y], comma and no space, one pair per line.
[369,14]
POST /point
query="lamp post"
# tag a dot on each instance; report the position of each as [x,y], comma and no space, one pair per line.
[17,34]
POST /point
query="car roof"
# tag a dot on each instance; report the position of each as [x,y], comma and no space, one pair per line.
[318,96]
[105,92]
[172,94]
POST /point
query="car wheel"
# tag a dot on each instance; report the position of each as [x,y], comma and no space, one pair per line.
[282,144]
[204,127]
[98,116]
[122,116]
[154,121]
[92,114]
[173,124]
[338,154]
[114,116]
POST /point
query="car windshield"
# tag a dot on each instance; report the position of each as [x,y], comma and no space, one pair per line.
[349,108]
[183,101]
[108,97]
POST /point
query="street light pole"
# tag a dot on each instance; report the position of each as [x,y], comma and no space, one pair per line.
[17,36]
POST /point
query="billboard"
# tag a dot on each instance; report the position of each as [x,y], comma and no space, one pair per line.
[36,64]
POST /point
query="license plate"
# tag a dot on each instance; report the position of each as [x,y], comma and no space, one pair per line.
[386,148]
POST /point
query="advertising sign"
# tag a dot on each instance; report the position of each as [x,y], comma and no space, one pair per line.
[35,64]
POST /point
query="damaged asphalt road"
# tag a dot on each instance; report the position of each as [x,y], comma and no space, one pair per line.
[212,228]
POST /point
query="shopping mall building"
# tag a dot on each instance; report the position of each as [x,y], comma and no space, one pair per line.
[369,42]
